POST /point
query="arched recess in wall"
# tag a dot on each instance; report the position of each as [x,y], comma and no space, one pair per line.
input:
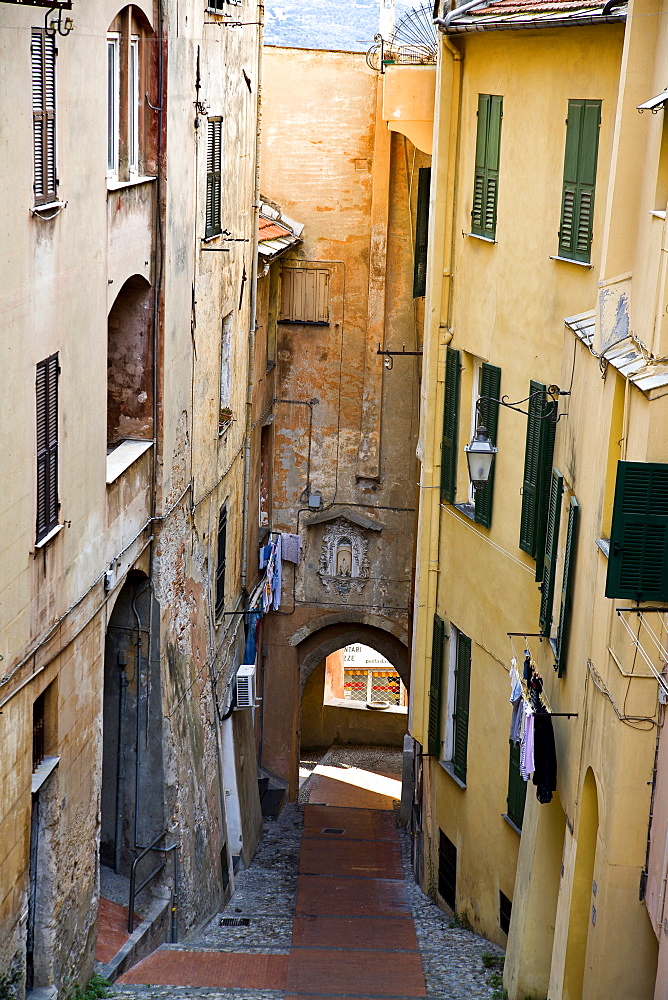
[583,900]
[130,363]
[317,646]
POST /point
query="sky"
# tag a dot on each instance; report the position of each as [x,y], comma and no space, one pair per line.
[326,24]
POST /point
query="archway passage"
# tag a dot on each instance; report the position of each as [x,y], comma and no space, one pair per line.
[130,363]
[353,717]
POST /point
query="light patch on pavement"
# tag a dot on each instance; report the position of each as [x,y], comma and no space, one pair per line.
[379,783]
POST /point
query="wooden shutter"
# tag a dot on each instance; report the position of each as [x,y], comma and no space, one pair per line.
[462,686]
[450,421]
[517,788]
[580,157]
[43,63]
[46,394]
[220,561]
[213,161]
[304,295]
[537,471]
[638,559]
[551,546]
[490,386]
[437,645]
[566,586]
[421,233]
[486,182]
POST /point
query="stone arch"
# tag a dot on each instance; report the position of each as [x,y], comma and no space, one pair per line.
[335,631]
[130,363]
[582,898]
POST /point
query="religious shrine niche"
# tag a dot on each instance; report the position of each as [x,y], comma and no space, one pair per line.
[344,566]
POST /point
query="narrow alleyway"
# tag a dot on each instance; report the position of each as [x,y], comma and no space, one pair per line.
[328,908]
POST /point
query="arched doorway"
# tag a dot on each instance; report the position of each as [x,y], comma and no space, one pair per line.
[350,740]
[583,901]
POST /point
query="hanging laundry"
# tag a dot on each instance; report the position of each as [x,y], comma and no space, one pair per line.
[291,548]
[250,651]
[545,770]
[516,702]
[265,552]
[277,574]
[527,748]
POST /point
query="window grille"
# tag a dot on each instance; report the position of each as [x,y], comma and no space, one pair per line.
[220,562]
[447,871]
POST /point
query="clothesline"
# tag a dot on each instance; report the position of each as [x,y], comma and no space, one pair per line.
[526,694]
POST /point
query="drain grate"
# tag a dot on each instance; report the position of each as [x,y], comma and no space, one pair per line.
[234,922]
[332,829]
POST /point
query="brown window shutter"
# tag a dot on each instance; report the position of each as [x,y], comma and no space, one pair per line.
[46,390]
[43,62]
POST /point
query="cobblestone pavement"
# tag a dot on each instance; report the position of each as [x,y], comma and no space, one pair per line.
[339,905]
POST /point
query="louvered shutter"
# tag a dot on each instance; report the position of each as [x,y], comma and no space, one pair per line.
[490,386]
[478,210]
[462,687]
[547,435]
[46,400]
[437,644]
[550,558]
[517,787]
[421,233]
[638,559]
[486,181]
[566,586]
[450,422]
[221,559]
[213,177]
[580,158]
[532,466]
[43,66]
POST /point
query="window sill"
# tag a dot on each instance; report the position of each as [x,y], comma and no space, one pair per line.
[569,260]
[49,538]
[48,211]
[42,772]
[349,703]
[449,769]
[485,239]
[659,214]
[467,509]
[511,824]
[113,184]
[604,546]
[122,457]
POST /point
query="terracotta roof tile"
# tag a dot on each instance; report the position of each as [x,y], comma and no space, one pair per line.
[270,230]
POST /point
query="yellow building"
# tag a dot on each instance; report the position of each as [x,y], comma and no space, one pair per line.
[545,289]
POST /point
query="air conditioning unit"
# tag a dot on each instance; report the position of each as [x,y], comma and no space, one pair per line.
[246,686]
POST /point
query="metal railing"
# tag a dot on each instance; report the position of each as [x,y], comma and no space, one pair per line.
[136,889]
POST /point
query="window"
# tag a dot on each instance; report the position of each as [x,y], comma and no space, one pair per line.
[421,233]
[264,504]
[489,381]
[46,384]
[486,183]
[304,295]
[638,560]
[450,424]
[225,412]
[38,726]
[113,102]
[213,162]
[551,547]
[577,201]
[517,788]
[130,147]
[537,472]
[220,561]
[561,644]
[219,5]
[43,61]
[447,871]
[505,911]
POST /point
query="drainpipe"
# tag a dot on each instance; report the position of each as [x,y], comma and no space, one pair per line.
[253,303]
[444,22]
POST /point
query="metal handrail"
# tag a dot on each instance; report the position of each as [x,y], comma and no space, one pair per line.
[135,890]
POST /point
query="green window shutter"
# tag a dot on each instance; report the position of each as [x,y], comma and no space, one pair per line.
[580,158]
[421,233]
[532,466]
[638,560]
[566,586]
[437,642]
[450,421]
[551,545]
[517,787]
[462,686]
[486,181]
[548,432]
[490,385]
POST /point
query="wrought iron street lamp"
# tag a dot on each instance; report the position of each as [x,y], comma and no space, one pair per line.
[480,457]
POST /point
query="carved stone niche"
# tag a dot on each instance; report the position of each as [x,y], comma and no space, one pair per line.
[344,566]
